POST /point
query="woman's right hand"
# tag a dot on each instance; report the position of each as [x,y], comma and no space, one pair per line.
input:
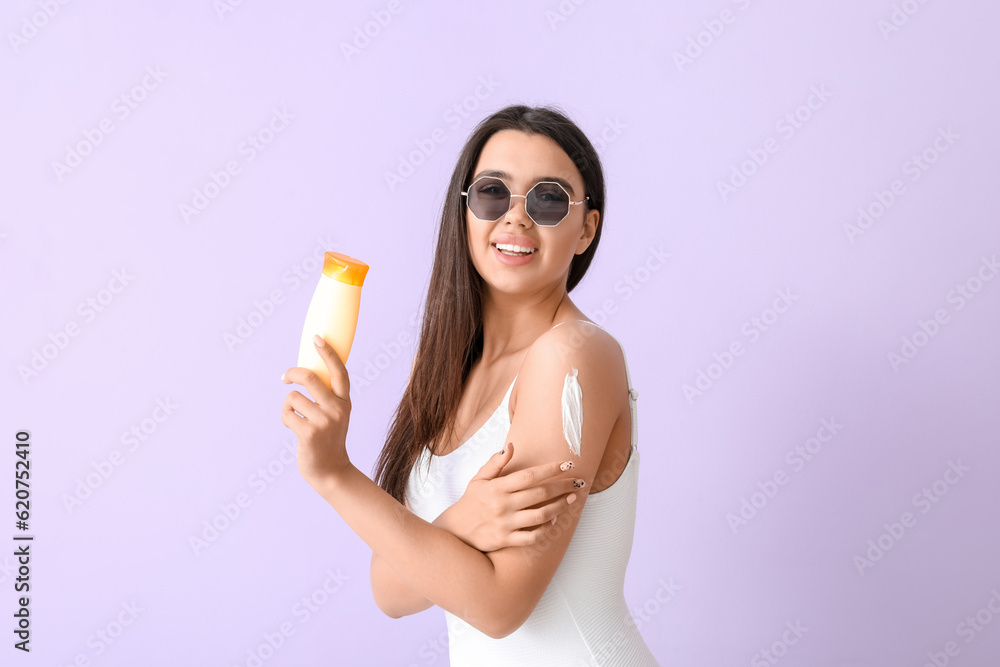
[497,512]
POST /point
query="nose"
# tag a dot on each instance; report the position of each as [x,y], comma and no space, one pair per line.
[517,213]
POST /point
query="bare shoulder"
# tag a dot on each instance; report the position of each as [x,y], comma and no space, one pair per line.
[574,351]
[578,334]
[578,345]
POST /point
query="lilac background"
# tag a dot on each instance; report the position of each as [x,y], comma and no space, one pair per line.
[704,591]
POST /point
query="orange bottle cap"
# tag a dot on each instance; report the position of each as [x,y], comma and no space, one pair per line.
[346,269]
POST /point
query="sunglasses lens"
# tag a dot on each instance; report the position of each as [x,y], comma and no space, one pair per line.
[547,204]
[489,199]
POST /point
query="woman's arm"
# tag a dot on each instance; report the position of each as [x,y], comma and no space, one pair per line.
[392,595]
[493,513]
[493,592]
[435,563]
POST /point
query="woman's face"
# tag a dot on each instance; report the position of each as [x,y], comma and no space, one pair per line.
[522,160]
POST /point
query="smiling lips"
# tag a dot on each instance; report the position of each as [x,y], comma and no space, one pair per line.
[510,239]
[514,250]
[504,256]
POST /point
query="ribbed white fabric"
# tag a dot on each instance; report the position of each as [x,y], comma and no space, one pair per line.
[582,618]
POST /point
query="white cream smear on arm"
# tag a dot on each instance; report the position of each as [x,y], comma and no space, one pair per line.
[572,411]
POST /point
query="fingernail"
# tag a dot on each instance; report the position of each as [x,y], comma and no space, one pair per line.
[570,499]
[566,466]
[578,483]
[282,377]
[319,341]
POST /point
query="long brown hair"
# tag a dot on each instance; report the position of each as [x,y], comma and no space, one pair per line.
[451,336]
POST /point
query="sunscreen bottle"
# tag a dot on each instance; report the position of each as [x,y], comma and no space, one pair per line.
[333,311]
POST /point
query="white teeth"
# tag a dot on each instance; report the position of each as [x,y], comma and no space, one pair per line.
[514,248]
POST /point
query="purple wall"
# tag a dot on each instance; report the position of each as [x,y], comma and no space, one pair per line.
[800,256]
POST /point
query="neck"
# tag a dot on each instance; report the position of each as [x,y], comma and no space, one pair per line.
[512,322]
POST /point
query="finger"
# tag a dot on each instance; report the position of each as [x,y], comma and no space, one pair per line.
[496,463]
[340,382]
[304,406]
[311,381]
[532,537]
[528,477]
[526,538]
[542,515]
[543,493]
[289,418]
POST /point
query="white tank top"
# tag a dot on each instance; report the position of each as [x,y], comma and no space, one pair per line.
[582,618]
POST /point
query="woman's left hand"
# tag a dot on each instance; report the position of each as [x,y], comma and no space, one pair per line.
[322,426]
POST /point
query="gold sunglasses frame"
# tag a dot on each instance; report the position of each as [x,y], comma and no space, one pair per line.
[511,194]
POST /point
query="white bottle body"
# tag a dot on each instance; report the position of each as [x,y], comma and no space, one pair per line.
[333,314]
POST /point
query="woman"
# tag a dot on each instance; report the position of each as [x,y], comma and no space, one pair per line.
[529,564]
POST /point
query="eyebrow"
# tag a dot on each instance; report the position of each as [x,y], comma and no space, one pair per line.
[503,174]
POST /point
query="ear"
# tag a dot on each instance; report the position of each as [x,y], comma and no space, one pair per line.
[590,222]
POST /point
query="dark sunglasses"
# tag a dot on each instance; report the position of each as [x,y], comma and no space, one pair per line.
[547,203]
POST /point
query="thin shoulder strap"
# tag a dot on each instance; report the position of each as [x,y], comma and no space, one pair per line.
[632,393]
[506,398]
